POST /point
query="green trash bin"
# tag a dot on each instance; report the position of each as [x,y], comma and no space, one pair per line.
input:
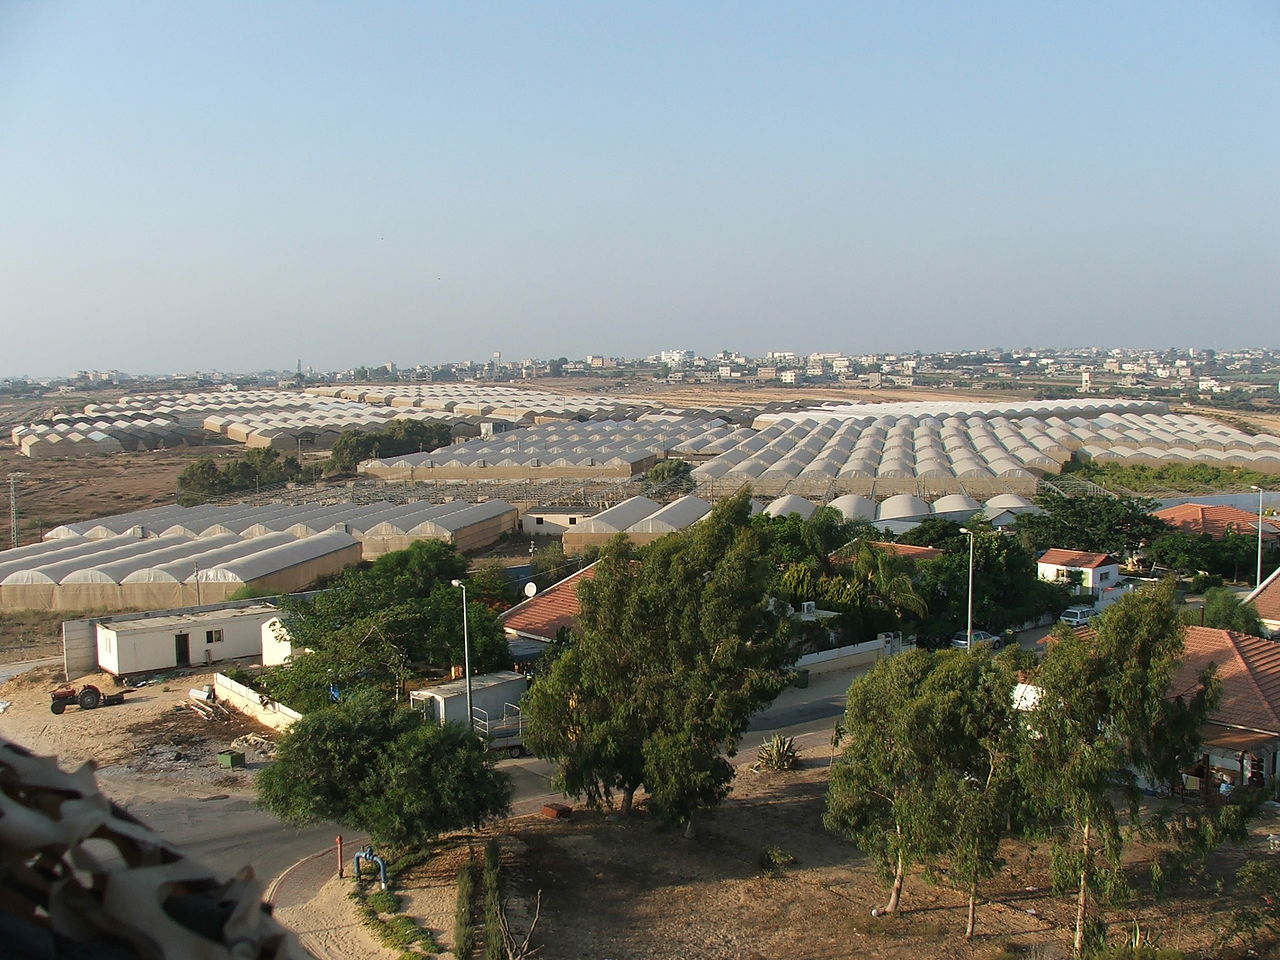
[230,758]
[801,679]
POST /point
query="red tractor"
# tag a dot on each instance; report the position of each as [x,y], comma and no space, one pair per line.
[87,696]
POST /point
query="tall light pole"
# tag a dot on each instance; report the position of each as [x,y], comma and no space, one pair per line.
[1258,582]
[968,628]
[466,653]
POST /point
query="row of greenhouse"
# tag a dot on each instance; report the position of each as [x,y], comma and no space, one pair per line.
[643,520]
[82,435]
[860,455]
[594,447]
[172,556]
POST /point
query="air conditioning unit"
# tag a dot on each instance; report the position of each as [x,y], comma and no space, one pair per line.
[808,608]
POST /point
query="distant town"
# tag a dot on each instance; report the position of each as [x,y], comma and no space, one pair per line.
[1221,378]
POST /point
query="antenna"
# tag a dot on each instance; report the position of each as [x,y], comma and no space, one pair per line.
[13,507]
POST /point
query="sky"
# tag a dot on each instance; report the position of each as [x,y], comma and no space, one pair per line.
[242,185]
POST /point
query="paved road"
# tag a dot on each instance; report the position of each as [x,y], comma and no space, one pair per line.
[8,670]
[230,832]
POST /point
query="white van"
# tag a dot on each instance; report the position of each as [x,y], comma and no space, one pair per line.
[1077,616]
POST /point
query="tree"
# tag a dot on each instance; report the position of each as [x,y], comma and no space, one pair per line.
[1223,610]
[668,476]
[675,649]
[1007,591]
[1095,524]
[1106,707]
[881,793]
[373,766]
[369,625]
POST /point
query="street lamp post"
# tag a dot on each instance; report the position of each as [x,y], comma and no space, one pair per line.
[968,628]
[466,653]
[1258,582]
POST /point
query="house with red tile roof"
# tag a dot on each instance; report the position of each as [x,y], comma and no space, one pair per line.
[1099,574]
[1216,521]
[1266,600]
[905,550]
[1243,733]
[532,624]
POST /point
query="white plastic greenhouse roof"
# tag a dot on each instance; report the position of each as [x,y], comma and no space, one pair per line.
[674,516]
[620,517]
[275,559]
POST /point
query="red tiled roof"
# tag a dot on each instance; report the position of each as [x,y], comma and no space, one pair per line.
[542,615]
[1215,520]
[909,551]
[897,550]
[1075,559]
[1266,598]
[1249,668]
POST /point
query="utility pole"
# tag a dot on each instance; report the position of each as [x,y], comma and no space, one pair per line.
[13,507]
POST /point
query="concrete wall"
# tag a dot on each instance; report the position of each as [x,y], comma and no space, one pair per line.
[79,648]
[842,658]
[249,702]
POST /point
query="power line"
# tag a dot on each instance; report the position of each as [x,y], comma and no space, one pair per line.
[13,507]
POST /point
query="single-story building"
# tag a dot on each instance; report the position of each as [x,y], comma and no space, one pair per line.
[1216,521]
[1099,574]
[140,644]
[541,522]
[532,624]
[1242,737]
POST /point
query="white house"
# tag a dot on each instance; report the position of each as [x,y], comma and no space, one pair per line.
[136,645]
[1098,574]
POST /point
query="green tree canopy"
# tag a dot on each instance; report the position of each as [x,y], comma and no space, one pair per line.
[400,437]
[927,768]
[1095,524]
[372,766]
[371,624]
[675,649]
[1224,610]
[671,476]
[1107,705]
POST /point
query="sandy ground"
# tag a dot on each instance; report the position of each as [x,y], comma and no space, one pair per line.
[151,746]
[329,928]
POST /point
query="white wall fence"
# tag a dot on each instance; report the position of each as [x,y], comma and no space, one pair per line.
[248,701]
[866,651]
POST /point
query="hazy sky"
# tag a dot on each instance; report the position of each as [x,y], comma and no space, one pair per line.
[237,185]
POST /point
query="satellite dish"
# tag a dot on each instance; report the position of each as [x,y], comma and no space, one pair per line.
[530,589]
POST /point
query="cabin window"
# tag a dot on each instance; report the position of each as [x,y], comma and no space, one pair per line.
[213,636]
[539,520]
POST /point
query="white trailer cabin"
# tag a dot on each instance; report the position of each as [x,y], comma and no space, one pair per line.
[186,639]
[495,707]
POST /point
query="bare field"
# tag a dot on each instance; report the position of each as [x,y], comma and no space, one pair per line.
[635,888]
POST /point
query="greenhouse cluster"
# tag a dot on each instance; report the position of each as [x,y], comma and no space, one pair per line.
[619,448]
[176,556]
[87,436]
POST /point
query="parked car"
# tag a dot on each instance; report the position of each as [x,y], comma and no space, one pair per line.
[960,639]
[1077,616]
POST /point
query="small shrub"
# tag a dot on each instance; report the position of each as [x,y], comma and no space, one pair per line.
[775,857]
[383,901]
[777,753]
[1009,950]
[464,931]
